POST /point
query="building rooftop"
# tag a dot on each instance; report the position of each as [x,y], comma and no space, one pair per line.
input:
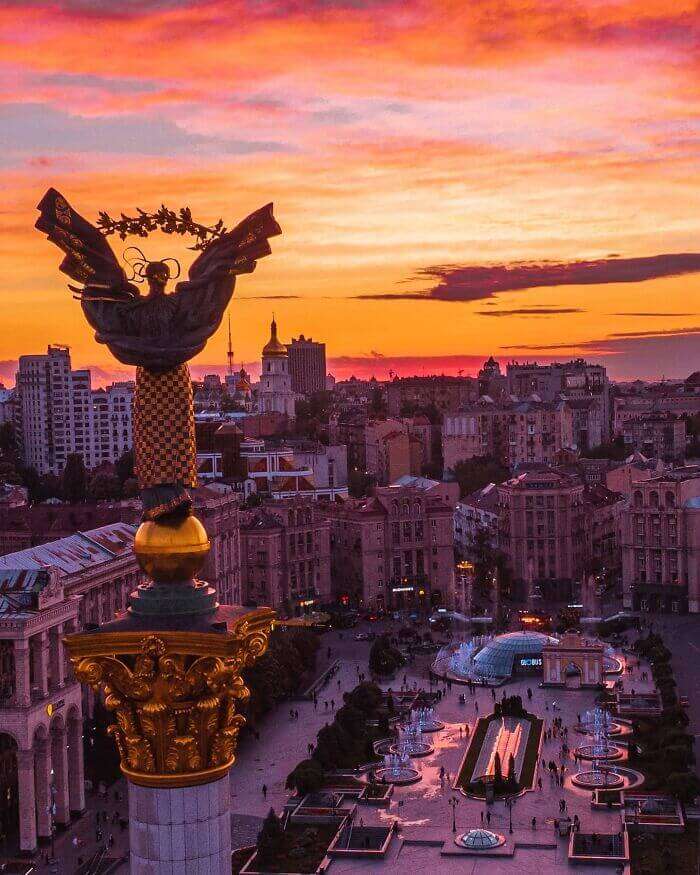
[485,498]
[409,480]
[75,553]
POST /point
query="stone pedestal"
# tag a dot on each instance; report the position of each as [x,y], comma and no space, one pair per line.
[180,831]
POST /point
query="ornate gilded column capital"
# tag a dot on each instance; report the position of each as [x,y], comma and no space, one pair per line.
[175,695]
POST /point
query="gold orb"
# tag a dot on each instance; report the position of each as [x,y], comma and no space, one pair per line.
[171,552]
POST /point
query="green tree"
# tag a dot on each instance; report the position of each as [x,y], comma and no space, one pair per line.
[352,720]
[384,658]
[74,479]
[615,450]
[359,483]
[50,486]
[473,474]
[685,786]
[8,440]
[307,777]
[31,480]
[130,488]
[104,487]
[270,838]
[497,771]
[9,472]
[376,401]
[365,696]
[124,466]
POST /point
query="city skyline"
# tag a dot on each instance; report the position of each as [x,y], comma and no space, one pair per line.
[452,182]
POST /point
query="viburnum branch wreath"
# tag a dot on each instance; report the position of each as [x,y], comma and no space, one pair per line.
[168,221]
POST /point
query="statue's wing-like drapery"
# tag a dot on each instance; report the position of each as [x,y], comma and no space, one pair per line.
[202,299]
[88,256]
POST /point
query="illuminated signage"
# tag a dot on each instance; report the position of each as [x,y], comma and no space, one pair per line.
[402,589]
[530,661]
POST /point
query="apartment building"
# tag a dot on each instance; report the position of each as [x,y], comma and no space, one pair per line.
[286,557]
[395,549]
[59,413]
[660,540]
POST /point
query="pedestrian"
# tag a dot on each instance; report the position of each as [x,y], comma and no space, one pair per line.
[534,823]
[482,818]
[539,783]
[529,693]
[332,704]
[488,818]
[476,706]
[264,791]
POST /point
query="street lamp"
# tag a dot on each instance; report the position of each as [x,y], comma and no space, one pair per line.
[453,803]
[509,804]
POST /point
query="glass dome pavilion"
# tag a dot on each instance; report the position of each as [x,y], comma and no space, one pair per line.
[512,653]
[481,840]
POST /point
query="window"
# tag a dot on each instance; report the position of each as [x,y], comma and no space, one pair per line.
[638,500]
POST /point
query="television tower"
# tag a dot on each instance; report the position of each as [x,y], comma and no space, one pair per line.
[229,354]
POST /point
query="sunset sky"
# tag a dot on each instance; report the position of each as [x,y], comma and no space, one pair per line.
[454,178]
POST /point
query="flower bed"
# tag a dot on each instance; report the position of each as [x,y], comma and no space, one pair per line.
[302,851]
[377,794]
[652,853]
[529,762]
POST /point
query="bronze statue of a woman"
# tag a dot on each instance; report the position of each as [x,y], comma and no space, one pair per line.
[158,332]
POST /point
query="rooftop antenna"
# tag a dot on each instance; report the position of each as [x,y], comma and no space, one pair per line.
[229,354]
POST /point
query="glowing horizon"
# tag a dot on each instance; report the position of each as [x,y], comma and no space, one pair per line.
[453,180]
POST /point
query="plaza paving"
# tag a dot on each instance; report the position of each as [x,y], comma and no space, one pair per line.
[422,809]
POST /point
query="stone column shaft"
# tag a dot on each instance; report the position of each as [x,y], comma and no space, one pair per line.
[27,800]
[42,772]
[76,767]
[59,763]
[40,643]
[185,830]
[57,656]
[23,690]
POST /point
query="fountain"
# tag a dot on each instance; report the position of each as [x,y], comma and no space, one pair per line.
[462,659]
[397,769]
[598,778]
[458,663]
[424,718]
[410,741]
[598,722]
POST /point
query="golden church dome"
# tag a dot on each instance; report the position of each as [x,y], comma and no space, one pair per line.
[274,347]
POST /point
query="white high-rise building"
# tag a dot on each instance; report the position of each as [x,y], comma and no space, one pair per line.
[111,422]
[60,413]
[275,393]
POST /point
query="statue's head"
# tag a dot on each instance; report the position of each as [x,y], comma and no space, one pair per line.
[156,273]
